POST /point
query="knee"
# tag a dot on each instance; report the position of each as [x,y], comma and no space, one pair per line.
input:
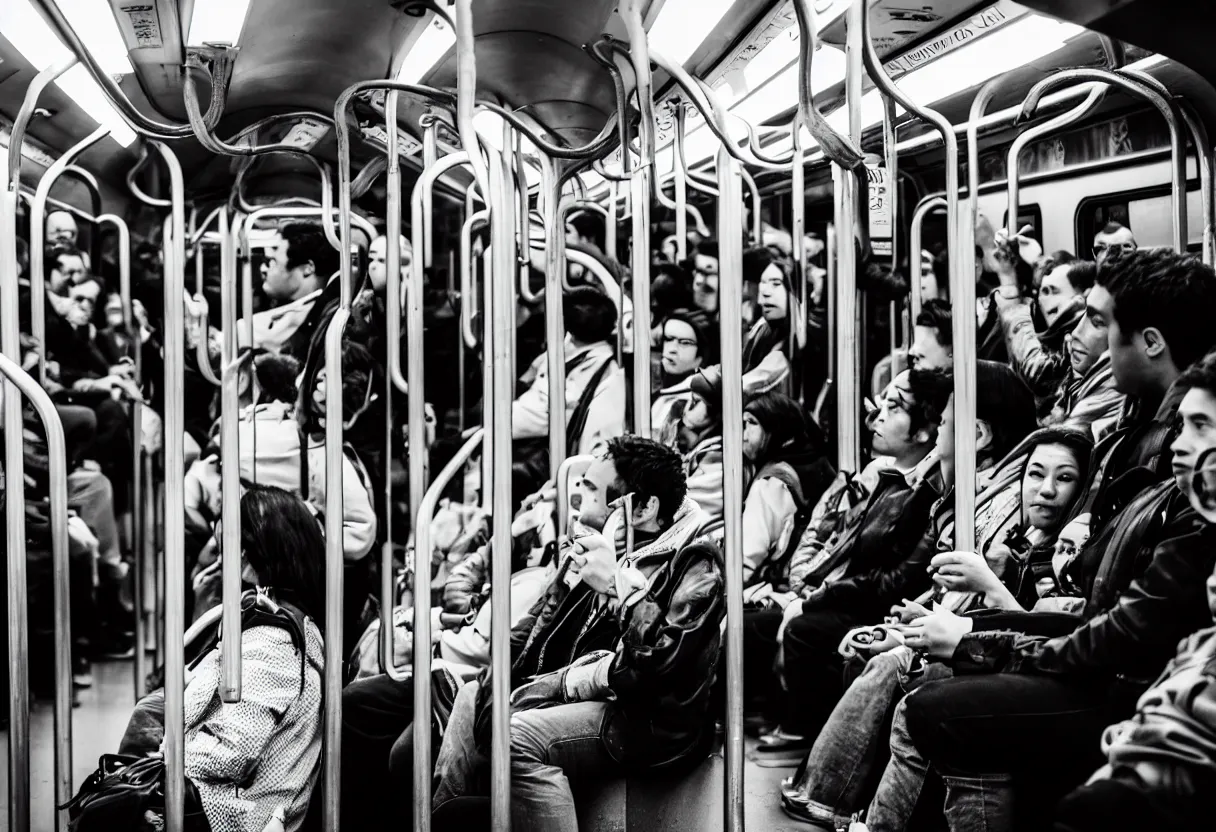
[808,632]
[925,710]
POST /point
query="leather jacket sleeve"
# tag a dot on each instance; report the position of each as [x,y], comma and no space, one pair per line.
[1134,639]
[1041,369]
[657,642]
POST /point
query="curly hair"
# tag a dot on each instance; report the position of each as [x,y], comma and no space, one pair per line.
[648,469]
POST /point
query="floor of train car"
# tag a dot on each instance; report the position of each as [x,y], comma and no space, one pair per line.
[98,724]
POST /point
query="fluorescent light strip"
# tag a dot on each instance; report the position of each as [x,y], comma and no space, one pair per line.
[682,25]
[25,29]
[216,21]
[431,47]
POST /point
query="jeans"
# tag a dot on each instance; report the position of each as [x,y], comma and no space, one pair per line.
[983,732]
[91,494]
[813,667]
[375,714]
[79,431]
[551,749]
[852,747]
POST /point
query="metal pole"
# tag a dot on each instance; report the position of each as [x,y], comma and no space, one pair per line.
[503,343]
[489,305]
[892,164]
[230,474]
[681,192]
[962,290]
[730,242]
[1203,159]
[422,632]
[174,513]
[1133,82]
[38,242]
[555,331]
[1023,139]
[916,268]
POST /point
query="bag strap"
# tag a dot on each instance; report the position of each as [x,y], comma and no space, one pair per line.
[578,419]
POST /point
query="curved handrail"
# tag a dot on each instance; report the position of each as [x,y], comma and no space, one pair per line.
[422,578]
[1203,155]
[468,292]
[562,483]
[134,188]
[38,242]
[915,266]
[1096,94]
[1163,106]
[962,285]
[28,105]
[61,591]
[138,121]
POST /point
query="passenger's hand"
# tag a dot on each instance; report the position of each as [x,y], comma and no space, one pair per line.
[595,559]
[207,575]
[937,634]
[963,572]
[908,611]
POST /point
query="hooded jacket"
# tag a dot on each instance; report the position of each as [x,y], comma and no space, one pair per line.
[782,488]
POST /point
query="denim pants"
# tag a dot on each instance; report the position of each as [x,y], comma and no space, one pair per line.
[982,732]
[551,749]
[851,748]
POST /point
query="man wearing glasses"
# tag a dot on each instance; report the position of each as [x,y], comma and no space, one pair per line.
[1114,238]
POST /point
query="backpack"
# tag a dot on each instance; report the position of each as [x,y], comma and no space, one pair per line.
[118,796]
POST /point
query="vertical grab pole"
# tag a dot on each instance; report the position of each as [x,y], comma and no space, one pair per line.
[798,245]
[137,507]
[230,474]
[681,192]
[610,223]
[640,185]
[730,241]
[502,287]
[555,332]
[174,513]
[488,477]
[38,242]
[392,278]
[961,243]
[923,210]
[892,163]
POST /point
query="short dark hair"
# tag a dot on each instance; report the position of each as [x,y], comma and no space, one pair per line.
[1049,262]
[649,469]
[50,261]
[276,375]
[670,288]
[588,227]
[707,332]
[1113,228]
[306,243]
[755,262]
[707,248]
[1081,274]
[590,314]
[1201,375]
[935,315]
[1005,402]
[931,391]
[1172,293]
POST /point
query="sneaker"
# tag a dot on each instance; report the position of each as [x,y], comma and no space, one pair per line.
[82,672]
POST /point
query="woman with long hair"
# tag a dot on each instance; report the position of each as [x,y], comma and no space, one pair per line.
[250,761]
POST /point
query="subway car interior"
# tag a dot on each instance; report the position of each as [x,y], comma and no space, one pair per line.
[290,291]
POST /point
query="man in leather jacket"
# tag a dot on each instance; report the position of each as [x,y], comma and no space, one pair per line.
[614,665]
[1028,709]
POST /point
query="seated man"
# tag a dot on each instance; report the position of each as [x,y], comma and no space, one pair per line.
[1140,576]
[1159,760]
[596,670]
[852,577]
[377,711]
[933,339]
[595,390]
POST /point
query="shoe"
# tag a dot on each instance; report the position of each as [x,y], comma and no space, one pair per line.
[82,672]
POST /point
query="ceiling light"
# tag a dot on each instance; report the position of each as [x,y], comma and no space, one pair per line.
[431,47]
[217,21]
[25,29]
[682,25]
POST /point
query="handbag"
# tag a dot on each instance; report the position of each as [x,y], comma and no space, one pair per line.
[119,794]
